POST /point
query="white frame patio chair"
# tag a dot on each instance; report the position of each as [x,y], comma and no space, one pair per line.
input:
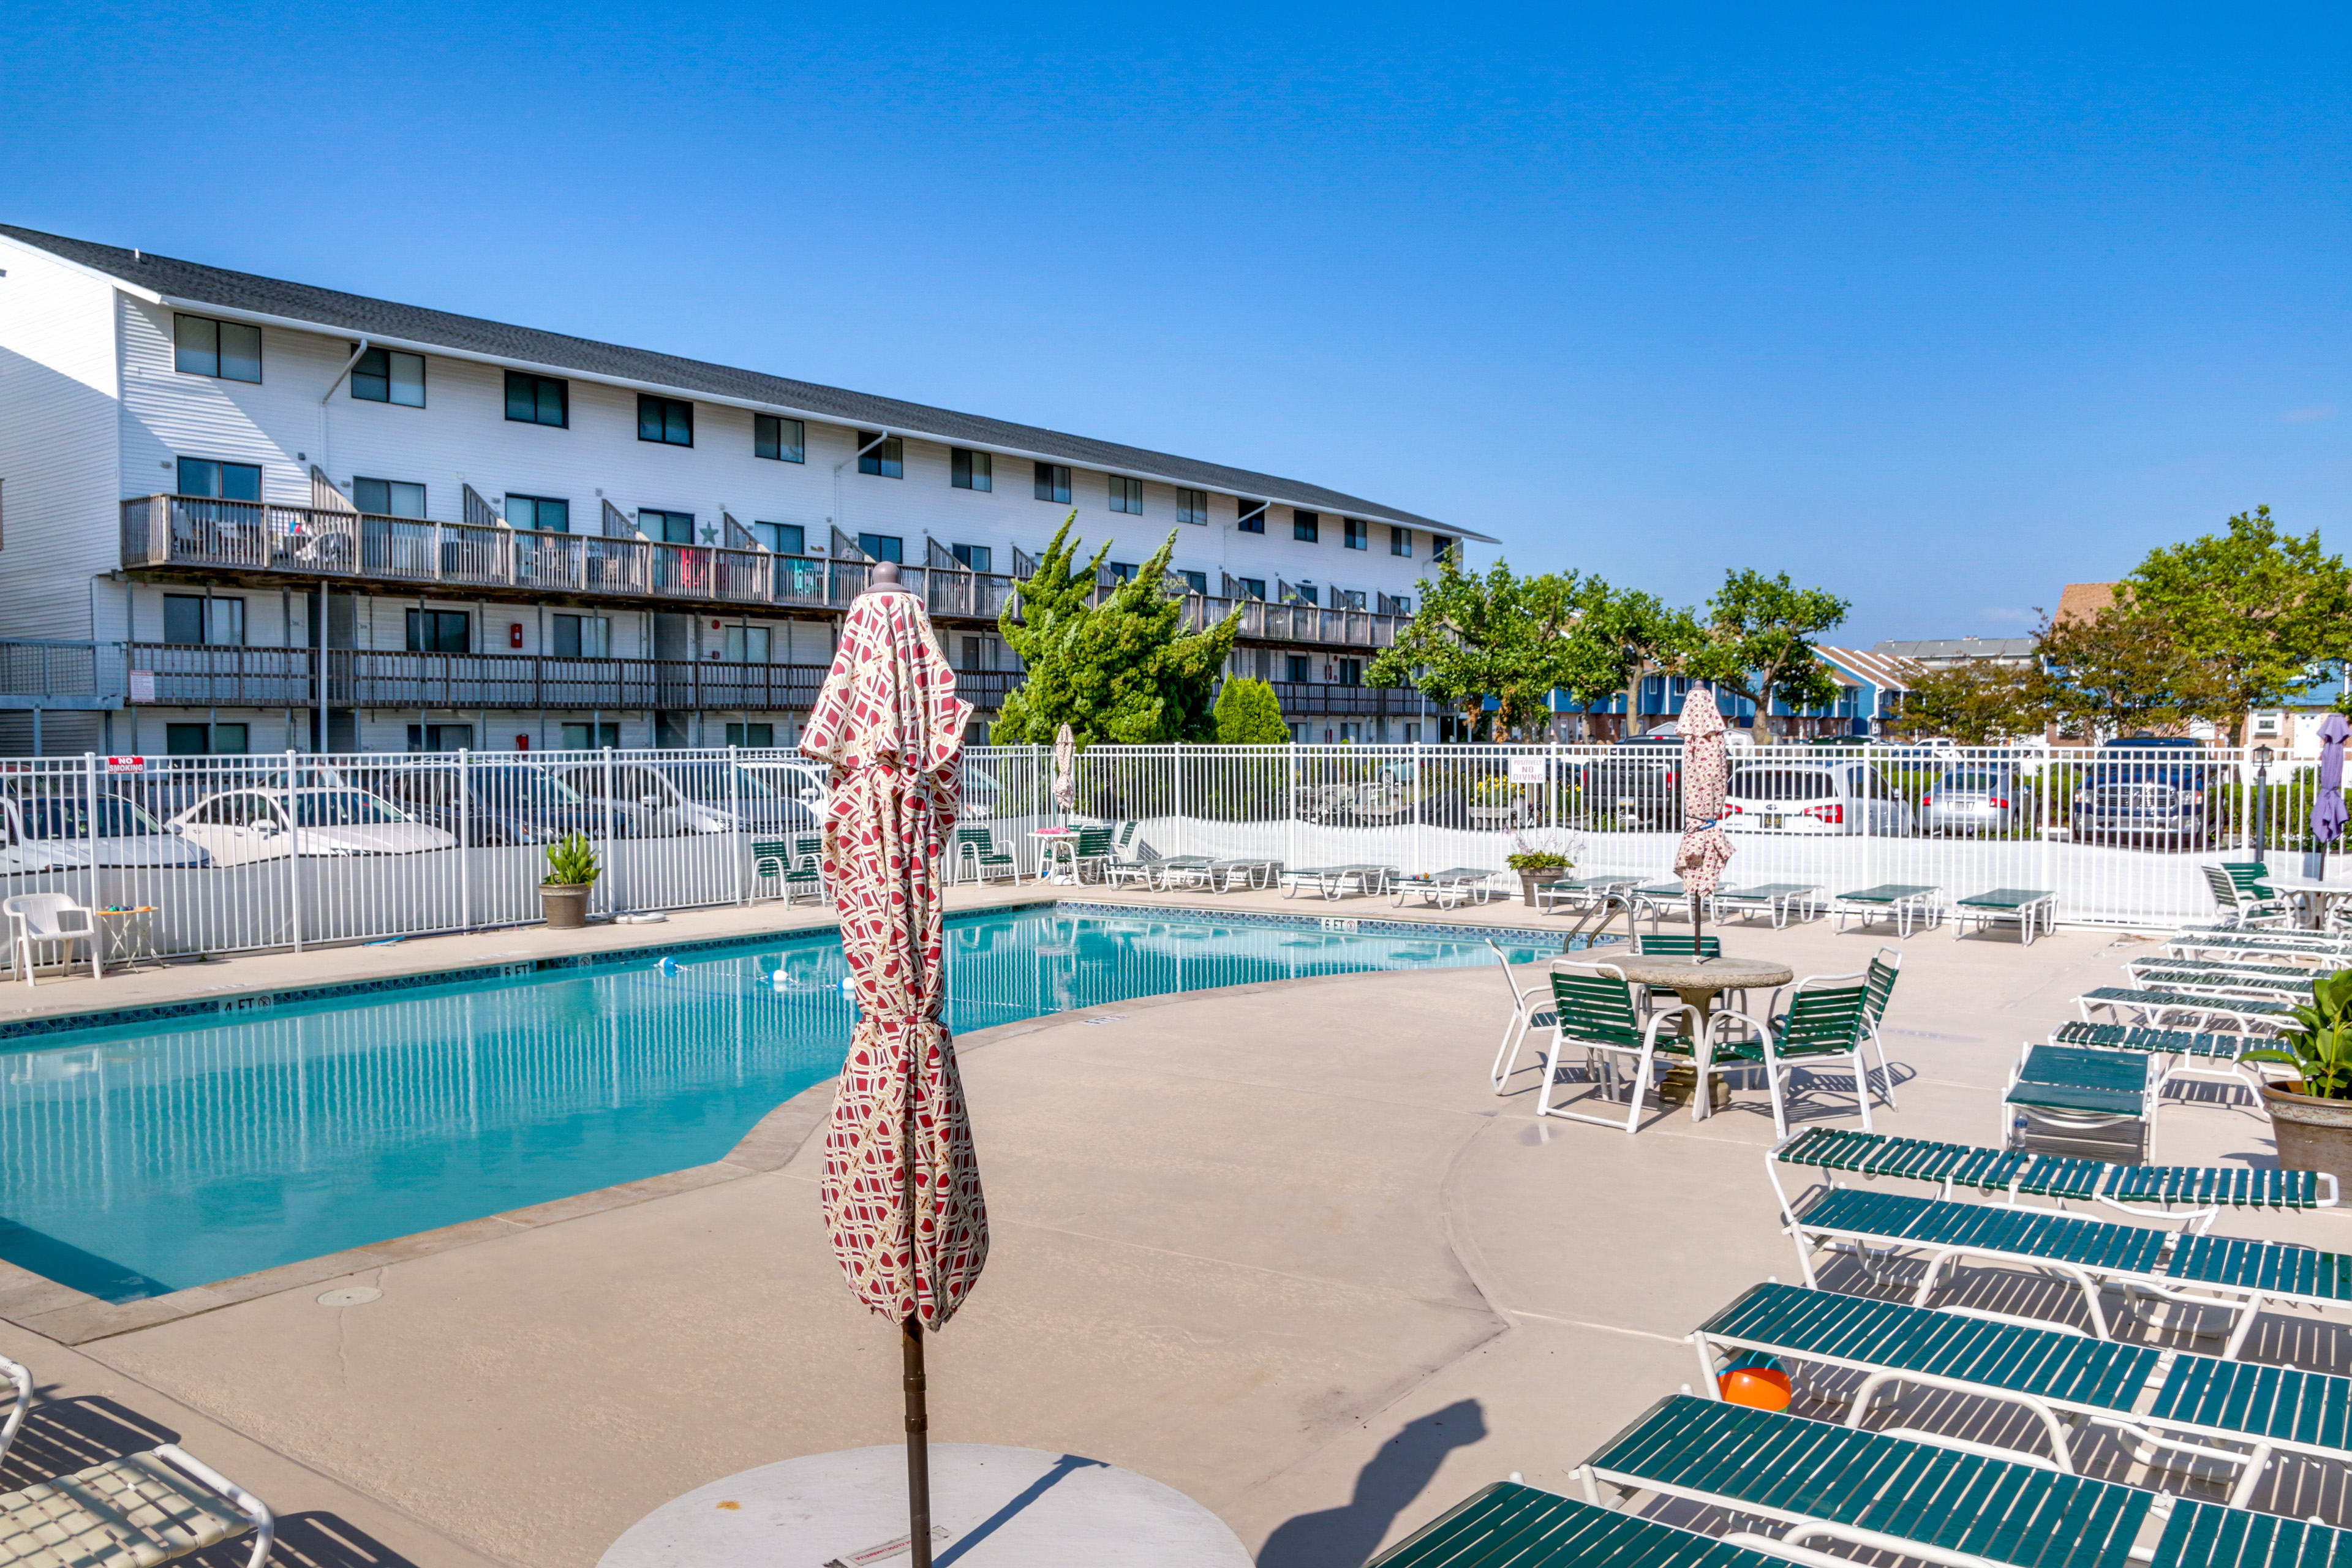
[1593,1008]
[1800,1037]
[1530,1010]
[976,852]
[2240,908]
[39,920]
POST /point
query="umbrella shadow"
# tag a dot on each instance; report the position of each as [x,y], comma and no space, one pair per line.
[1020,1500]
[1344,1537]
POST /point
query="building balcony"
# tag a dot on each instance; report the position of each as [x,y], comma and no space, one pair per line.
[319,544]
[60,676]
[1302,698]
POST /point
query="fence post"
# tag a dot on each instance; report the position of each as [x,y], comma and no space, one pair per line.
[294,847]
[612,905]
[465,841]
[1177,761]
[90,791]
[1290,813]
[735,819]
[1420,861]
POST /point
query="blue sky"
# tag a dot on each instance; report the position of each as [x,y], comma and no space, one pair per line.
[1938,312]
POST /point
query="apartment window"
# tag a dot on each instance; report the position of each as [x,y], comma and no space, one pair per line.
[979,653]
[440,737]
[544,514]
[668,527]
[230,350]
[1357,534]
[1253,516]
[883,546]
[886,458]
[746,645]
[1121,571]
[1347,598]
[1054,483]
[1127,495]
[386,375]
[972,471]
[190,619]
[219,481]
[785,440]
[1401,604]
[669,420]
[1306,594]
[1413,734]
[438,631]
[205,739]
[1193,506]
[1304,525]
[1351,672]
[538,399]
[1400,542]
[583,636]
[757,737]
[1441,548]
[588,737]
[1297,668]
[1252,587]
[388,498]
[975,557]
[783,538]
[1196,581]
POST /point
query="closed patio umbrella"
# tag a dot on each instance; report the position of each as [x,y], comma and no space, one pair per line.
[1066,768]
[902,1185]
[2327,812]
[1700,858]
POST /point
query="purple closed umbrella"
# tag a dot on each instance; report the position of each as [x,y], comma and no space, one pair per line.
[2328,811]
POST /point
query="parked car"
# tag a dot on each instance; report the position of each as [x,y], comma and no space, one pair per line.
[237,826]
[497,807]
[1640,779]
[51,832]
[692,798]
[806,782]
[1815,797]
[2146,790]
[1976,798]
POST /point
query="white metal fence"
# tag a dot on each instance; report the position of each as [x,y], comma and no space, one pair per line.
[289,850]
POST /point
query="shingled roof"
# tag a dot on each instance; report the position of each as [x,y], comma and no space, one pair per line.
[304,305]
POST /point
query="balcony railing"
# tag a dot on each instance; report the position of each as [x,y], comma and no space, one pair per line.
[192,531]
[44,673]
[1320,697]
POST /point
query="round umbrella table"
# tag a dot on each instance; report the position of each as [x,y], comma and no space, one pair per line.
[1698,982]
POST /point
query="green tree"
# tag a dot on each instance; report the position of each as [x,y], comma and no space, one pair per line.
[2118,671]
[1499,636]
[2257,610]
[1977,703]
[1124,671]
[1617,633]
[1248,713]
[1758,642]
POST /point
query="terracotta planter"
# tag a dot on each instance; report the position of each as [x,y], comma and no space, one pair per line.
[2313,1134]
[1531,880]
[566,904]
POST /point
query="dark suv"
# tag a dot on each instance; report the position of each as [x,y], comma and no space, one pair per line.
[1641,780]
[2149,789]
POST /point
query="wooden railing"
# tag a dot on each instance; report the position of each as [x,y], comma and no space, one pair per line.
[326,542]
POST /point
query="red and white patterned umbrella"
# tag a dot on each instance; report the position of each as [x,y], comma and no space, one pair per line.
[1700,858]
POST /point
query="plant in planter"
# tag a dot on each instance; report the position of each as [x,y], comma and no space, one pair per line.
[571,871]
[1539,862]
[2312,1119]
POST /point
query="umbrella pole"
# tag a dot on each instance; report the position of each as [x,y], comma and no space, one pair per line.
[918,1420]
[1698,927]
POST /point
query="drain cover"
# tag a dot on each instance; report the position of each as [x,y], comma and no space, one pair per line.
[350,1296]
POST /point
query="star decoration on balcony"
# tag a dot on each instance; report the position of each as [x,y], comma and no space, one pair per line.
[709,533]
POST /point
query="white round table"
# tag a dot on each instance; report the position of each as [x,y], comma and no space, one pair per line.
[990,1507]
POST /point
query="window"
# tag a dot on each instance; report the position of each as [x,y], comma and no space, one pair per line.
[1400,543]
[1297,668]
[747,645]
[975,557]
[785,440]
[886,458]
[1306,594]
[1253,516]
[192,618]
[1351,672]
[543,513]
[440,738]
[1350,734]
[783,538]
[588,737]
[388,498]
[1193,506]
[1127,495]
[669,526]
[1441,548]
[979,653]
[1358,534]
[1401,604]
[583,637]
[667,420]
[1304,525]
[972,471]
[538,399]
[188,740]
[220,481]
[759,737]
[386,375]
[438,631]
[1196,581]
[230,350]
[883,546]
[1253,587]
[1121,571]
[1054,483]
[1413,734]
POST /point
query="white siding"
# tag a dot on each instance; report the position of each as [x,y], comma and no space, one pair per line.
[57,396]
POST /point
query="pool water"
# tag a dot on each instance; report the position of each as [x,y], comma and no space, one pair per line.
[148,1159]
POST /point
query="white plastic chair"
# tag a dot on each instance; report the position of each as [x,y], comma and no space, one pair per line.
[1530,1009]
[51,920]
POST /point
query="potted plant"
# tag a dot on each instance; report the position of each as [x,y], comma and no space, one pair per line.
[1539,865]
[571,872]
[2312,1118]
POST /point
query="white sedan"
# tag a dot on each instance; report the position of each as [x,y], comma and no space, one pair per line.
[246,824]
[51,832]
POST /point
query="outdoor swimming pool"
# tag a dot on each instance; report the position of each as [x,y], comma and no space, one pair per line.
[152,1157]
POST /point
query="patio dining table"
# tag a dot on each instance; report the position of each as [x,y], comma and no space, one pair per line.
[2310,896]
[1697,981]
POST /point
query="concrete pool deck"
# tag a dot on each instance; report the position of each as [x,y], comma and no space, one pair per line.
[1277,1246]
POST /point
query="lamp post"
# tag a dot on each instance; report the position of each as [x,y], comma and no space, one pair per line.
[2262,755]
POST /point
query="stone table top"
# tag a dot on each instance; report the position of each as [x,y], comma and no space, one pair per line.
[1684,975]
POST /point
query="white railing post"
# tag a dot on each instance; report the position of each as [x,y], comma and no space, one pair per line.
[612,904]
[1177,760]
[735,838]
[1290,812]
[294,847]
[89,792]
[465,840]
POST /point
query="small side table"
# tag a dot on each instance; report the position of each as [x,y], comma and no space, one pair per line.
[127,937]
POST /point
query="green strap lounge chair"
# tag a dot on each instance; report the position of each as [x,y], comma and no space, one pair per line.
[2290,985]
[2029,907]
[2182,1053]
[2173,1400]
[1594,1011]
[1333,881]
[2069,1090]
[2307,947]
[977,856]
[2245,966]
[1583,892]
[2238,905]
[1509,1525]
[1778,899]
[2169,1008]
[1455,885]
[1905,904]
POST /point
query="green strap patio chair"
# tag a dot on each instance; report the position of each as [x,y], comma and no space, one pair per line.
[1885,968]
[1511,1525]
[1594,1010]
[977,856]
[2029,907]
[1678,944]
[804,878]
[2074,1089]
[1827,1020]
[1904,904]
[1087,846]
[2239,906]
